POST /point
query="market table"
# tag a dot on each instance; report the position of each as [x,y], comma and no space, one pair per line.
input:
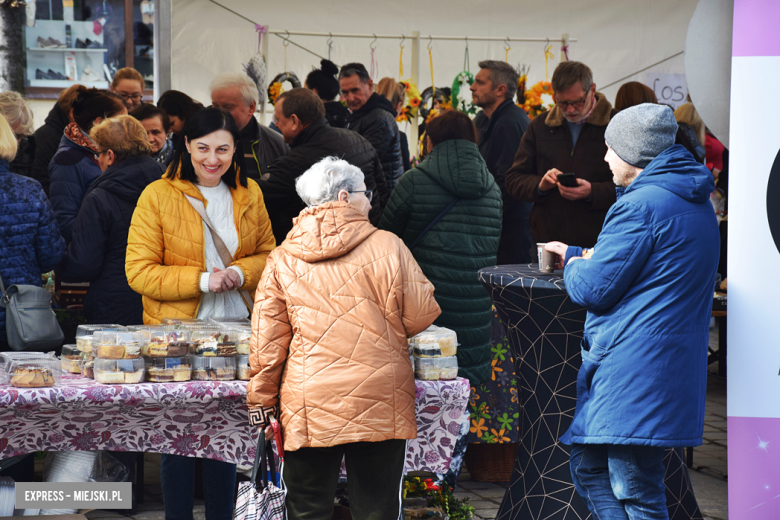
[205,419]
[545,329]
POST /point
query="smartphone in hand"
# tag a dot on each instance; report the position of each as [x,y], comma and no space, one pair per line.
[568,179]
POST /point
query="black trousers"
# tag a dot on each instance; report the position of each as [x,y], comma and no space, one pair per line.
[374,480]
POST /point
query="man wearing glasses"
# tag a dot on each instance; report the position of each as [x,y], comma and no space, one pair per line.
[373,117]
[569,139]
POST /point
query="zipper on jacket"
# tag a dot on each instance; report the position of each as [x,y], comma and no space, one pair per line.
[259,171]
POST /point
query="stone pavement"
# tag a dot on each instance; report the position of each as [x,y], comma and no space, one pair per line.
[708,475]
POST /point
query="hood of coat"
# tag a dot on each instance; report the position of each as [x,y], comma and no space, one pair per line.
[329,230]
[459,168]
[128,179]
[676,170]
[57,118]
[374,101]
[600,116]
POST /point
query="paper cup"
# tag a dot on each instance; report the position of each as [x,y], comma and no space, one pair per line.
[546,259]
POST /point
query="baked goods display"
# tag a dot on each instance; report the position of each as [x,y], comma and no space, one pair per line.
[242,368]
[70,359]
[85,335]
[169,369]
[212,341]
[118,345]
[433,369]
[435,342]
[34,372]
[167,342]
[213,368]
[119,371]
[182,322]
[243,341]
[87,365]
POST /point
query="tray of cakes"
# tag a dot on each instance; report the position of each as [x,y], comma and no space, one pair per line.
[117,345]
[168,341]
[33,372]
[243,339]
[213,341]
[70,358]
[168,369]
[436,368]
[242,368]
[435,342]
[213,368]
[84,334]
[119,371]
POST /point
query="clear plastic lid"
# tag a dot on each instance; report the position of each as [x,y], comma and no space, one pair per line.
[70,359]
[182,321]
[118,345]
[228,320]
[436,335]
[169,369]
[168,362]
[213,368]
[242,368]
[448,367]
[119,371]
[84,343]
[168,341]
[426,350]
[426,363]
[88,330]
[213,341]
[243,341]
[70,350]
[34,372]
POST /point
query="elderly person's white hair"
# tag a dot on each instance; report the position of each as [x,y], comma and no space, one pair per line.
[15,110]
[247,87]
[324,180]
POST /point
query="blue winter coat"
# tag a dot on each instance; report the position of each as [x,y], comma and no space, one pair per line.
[72,171]
[30,242]
[648,290]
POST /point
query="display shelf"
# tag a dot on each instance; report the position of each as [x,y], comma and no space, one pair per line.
[65,83]
[68,49]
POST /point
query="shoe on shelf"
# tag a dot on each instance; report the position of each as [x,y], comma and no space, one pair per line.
[39,74]
[58,43]
[80,44]
[47,43]
[93,45]
[89,75]
[56,75]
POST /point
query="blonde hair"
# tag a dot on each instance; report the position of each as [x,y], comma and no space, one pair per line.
[8,143]
[16,112]
[127,73]
[686,113]
[391,89]
[124,135]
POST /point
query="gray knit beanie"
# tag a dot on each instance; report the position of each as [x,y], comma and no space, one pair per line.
[640,133]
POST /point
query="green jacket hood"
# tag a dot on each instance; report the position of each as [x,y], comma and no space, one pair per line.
[458,167]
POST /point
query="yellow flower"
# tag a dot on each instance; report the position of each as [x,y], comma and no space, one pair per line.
[500,437]
[478,427]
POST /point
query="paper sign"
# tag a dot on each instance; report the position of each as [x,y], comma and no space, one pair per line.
[670,89]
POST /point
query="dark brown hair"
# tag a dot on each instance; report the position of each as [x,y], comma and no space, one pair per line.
[149,111]
[451,124]
[569,73]
[302,102]
[67,96]
[634,93]
[91,103]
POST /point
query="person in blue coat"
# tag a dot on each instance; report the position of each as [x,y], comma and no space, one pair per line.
[30,241]
[74,167]
[647,285]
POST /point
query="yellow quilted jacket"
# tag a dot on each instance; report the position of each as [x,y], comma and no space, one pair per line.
[329,331]
[166,246]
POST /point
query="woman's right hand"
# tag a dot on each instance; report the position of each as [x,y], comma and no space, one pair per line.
[224,280]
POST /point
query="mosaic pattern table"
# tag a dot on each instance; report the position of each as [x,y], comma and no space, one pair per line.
[205,419]
[545,329]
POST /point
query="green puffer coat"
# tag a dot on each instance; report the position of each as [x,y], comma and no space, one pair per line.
[460,244]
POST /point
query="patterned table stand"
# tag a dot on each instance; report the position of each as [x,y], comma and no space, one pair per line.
[545,329]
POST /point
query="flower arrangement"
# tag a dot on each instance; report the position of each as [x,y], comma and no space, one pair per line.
[275,88]
[439,496]
[538,99]
[411,108]
[273,91]
[461,95]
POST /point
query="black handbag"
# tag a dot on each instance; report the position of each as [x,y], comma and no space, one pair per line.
[30,322]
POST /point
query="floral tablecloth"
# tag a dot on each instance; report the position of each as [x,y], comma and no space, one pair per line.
[198,418]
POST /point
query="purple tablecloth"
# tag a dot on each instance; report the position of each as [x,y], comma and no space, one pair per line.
[198,419]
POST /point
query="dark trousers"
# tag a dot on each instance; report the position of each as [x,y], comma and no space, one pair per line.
[374,479]
[177,475]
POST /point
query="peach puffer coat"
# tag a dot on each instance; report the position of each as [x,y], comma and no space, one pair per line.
[166,246]
[332,314]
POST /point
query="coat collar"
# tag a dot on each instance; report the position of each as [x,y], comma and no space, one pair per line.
[600,116]
[310,131]
[240,194]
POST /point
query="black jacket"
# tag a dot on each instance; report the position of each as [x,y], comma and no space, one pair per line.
[47,142]
[97,252]
[261,146]
[317,141]
[499,140]
[376,122]
[25,157]
[337,114]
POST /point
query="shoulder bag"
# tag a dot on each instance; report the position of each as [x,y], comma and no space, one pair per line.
[30,322]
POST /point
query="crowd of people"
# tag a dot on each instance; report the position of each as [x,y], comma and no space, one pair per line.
[320,230]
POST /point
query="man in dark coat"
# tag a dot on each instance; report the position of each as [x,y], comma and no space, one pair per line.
[501,125]
[373,117]
[300,116]
[567,139]
[237,94]
[47,138]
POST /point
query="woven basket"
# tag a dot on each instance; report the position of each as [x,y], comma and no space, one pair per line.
[491,462]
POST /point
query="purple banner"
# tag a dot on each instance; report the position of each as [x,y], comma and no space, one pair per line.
[756,28]
[754,468]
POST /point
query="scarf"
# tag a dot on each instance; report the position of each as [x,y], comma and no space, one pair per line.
[586,116]
[75,134]
[162,155]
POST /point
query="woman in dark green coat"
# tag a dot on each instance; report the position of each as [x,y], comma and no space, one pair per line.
[462,242]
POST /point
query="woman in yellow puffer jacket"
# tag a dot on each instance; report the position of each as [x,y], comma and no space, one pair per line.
[172,260]
[171,257]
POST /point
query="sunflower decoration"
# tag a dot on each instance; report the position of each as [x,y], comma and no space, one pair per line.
[538,99]
[276,87]
[412,106]
[274,90]
[522,83]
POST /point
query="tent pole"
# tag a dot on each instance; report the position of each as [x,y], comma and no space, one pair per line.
[415,79]
[264,96]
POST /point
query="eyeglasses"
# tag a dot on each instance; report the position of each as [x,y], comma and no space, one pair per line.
[576,104]
[134,97]
[368,193]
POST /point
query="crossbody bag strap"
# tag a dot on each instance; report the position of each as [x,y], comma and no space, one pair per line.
[219,244]
[433,223]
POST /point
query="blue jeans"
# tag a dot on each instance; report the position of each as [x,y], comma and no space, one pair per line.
[620,482]
[177,475]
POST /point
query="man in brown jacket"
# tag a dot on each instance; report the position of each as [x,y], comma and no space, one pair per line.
[567,139]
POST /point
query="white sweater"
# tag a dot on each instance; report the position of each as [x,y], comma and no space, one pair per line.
[219,208]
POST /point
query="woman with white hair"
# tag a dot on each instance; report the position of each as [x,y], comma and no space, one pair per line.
[236,93]
[15,110]
[333,311]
